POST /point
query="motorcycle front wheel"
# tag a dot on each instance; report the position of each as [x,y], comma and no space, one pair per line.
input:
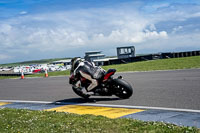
[122,89]
[80,93]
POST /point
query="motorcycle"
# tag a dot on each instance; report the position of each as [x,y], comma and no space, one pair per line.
[107,86]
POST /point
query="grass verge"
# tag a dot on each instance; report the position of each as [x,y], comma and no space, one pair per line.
[164,64]
[20,120]
[57,73]
[8,77]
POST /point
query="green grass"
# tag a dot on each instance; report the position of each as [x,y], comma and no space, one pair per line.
[27,121]
[8,77]
[164,64]
[56,73]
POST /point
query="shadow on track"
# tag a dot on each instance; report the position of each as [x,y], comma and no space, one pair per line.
[81,100]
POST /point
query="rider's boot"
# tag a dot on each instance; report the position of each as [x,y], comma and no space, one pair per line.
[87,92]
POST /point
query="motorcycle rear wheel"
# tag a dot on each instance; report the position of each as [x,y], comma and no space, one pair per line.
[122,89]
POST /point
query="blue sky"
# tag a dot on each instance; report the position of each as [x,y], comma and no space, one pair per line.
[40,29]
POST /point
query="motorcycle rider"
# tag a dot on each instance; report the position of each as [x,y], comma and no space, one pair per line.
[88,71]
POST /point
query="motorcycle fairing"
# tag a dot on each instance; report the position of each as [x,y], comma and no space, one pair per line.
[109,73]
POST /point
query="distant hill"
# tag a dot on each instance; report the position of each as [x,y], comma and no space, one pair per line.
[42,61]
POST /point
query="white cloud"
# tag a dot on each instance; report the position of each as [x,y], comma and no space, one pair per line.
[174,43]
[100,28]
[197,14]
[61,30]
[128,37]
[5,28]
[152,27]
[178,28]
[23,12]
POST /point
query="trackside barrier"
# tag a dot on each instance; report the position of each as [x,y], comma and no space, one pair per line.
[153,57]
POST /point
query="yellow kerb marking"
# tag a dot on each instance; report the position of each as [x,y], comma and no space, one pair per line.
[3,103]
[104,111]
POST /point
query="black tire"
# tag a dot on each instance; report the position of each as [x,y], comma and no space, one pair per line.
[80,93]
[122,88]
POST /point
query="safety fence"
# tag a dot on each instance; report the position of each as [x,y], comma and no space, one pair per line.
[153,57]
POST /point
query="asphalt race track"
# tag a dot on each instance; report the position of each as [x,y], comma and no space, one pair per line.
[169,89]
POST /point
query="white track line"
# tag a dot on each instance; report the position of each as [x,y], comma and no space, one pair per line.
[22,101]
[144,107]
[105,105]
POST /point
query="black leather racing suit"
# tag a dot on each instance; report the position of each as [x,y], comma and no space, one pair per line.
[90,72]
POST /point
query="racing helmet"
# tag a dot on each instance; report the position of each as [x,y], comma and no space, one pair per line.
[75,62]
